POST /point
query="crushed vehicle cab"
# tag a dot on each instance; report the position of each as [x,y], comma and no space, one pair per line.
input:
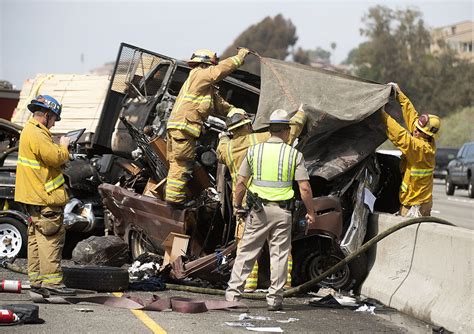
[348,178]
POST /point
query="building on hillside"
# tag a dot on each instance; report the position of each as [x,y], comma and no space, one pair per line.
[458,36]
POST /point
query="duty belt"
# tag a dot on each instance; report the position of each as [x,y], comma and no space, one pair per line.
[285,204]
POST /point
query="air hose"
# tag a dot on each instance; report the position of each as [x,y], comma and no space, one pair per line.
[311,283]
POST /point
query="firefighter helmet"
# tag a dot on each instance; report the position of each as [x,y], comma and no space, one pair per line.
[236,118]
[204,56]
[429,124]
[46,102]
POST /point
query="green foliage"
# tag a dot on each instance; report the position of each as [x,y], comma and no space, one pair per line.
[457,128]
[398,50]
[272,37]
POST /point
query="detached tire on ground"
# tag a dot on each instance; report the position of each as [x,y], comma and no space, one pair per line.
[98,278]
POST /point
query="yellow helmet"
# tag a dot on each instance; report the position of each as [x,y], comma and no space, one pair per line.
[204,56]
[236,118]
[429,124]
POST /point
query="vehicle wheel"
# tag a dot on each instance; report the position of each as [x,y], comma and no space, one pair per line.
[449,186]
[310,263]
[98,278]
[13,237]
[139,244]
[470,187]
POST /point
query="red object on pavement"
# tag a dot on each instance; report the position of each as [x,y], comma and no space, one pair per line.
[7,317]
[10,286]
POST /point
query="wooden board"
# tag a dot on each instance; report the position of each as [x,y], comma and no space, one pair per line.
[82,97]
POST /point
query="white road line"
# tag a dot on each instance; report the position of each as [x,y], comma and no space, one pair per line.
[461,200]
[435,211]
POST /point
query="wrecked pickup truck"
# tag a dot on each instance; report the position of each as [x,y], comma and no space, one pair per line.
[348,178]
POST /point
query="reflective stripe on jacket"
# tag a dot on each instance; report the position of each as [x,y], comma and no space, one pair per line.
[418,156]
[273,170]
[198,98]
[39,179]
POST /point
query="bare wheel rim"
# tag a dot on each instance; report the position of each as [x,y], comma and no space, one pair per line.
[139,243]
[10,240]
[316,264]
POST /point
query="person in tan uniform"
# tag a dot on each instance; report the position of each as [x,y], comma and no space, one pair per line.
[196,100]
[270,167]
[418,155]
[40,187]
[231,152]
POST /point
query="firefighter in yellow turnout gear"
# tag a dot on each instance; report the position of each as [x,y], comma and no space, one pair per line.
[418,155]
[196,100]
[40,186]
[232,152]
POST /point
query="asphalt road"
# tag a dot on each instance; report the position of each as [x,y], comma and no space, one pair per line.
[458,209]
[104,319]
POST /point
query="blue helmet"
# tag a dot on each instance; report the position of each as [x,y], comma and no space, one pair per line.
[46,102]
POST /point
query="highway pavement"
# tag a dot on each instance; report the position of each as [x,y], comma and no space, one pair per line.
[458,209]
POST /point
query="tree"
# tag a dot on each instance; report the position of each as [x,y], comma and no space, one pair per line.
[398,49]
[272,37]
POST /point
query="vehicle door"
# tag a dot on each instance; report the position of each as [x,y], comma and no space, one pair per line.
[138,89]
[467,162]
[456,166]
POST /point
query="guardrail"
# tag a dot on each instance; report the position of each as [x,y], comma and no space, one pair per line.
[425,270]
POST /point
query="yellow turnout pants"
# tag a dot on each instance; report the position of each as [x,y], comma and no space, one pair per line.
[46,235]
[180,151]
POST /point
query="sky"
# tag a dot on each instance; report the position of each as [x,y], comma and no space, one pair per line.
[70,36]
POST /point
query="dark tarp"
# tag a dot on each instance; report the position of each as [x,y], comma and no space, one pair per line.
[342,128]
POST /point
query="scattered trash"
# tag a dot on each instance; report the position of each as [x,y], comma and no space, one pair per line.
[265,329]
[8,317]
[246,316]
[239,324]
[328,301]
[145,266]
[102,251]
[153,283]
[86,310]
[288,320]
[366,308]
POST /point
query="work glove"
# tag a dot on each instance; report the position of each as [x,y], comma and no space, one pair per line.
[395,87]
[243,52]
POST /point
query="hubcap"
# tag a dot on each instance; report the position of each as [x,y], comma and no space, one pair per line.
[10,240]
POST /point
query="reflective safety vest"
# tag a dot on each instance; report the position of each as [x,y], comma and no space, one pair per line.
[273,170]
[39,179]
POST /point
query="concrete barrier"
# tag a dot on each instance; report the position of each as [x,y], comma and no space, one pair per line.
[425,270]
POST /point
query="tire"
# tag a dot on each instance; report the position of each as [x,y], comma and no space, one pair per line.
[310,260]
[98,278]
[470,187]
[13,237]
[449,186]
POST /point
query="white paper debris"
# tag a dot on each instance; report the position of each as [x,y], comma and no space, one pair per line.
[239,324]
[369,199]
[265,329]
[288,320]
[245,316]
[366,308]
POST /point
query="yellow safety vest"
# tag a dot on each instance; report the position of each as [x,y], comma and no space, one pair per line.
[273,170]
[39,179]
